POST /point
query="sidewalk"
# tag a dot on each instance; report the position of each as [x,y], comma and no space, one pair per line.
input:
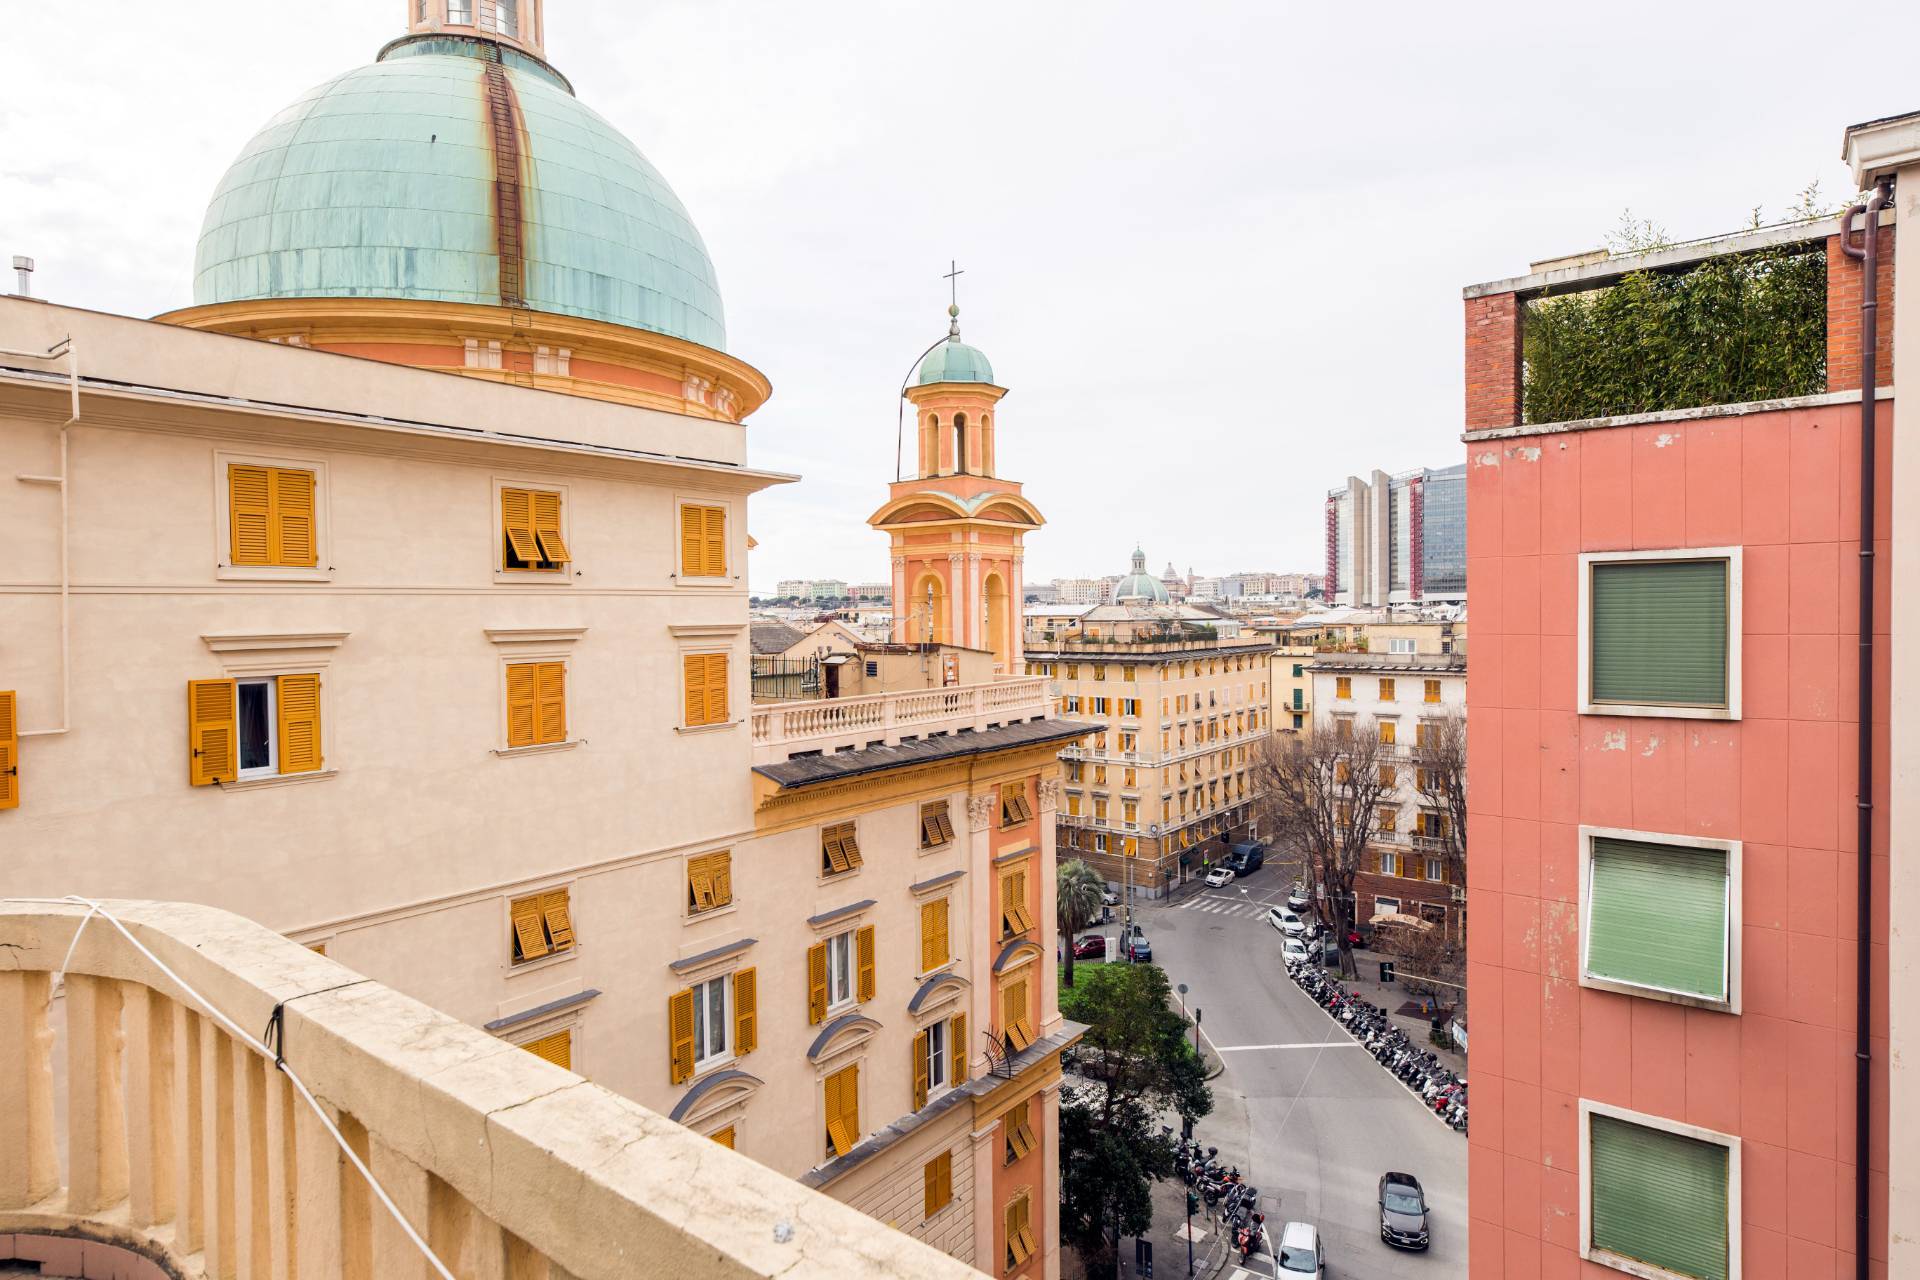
[1391,996]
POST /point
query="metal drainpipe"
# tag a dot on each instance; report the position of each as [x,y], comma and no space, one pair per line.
[1868,254]
[64,347]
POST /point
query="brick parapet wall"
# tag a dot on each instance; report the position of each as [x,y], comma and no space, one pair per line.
[1844,278]
[1493,361]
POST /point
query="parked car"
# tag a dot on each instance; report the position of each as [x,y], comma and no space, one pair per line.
[1403,1211]
[1300,1253]
[1294,949]
[1287,922]
[1138,948]
[1298,899]
[1244,858]
[1219,876]
[1091,947]
[1110,898]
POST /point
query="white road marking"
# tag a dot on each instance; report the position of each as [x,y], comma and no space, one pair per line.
[1305,1044]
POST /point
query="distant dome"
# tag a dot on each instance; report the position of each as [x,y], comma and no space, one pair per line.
[955,361]
[381,183]
[1140,586]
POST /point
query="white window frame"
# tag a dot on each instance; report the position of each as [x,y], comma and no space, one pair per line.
[322,570]
[272,767]
[842,964]
[718,988]
[564,575]
[939,1064]
[1584,640]
[1633,1266]
[1732,849]
[1434,870]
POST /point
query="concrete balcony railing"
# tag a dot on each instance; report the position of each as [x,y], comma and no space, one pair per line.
[836,724]
[133,1123]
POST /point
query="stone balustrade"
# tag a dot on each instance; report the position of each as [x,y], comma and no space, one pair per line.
[835,724]
[174,1139]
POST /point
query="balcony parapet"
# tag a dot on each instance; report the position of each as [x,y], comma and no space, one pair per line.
[781,730]
[182,1142]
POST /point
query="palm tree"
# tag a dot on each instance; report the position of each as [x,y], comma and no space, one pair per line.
[1077,897]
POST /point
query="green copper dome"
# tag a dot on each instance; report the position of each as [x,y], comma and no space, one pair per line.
[381,183]
[1140,587]
[955,361]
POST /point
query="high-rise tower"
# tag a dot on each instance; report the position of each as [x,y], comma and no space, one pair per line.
[956,527]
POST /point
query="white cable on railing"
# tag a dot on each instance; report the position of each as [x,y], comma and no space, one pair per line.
[246,1038]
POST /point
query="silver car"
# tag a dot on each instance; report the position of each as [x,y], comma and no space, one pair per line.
[1300,1253]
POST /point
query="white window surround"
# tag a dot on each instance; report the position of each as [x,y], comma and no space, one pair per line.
[939,1057]
[263,657]
[1584,638]
[322,570]
[518,645]
[712,1022]
[733,575]
[1732,849]
[842,982]
[566,573]
[703,638]
[1632,1266]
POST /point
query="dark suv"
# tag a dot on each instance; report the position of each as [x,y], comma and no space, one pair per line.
[1403,1211]
[1242,858]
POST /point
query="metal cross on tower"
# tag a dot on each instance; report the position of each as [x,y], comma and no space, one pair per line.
[953,284]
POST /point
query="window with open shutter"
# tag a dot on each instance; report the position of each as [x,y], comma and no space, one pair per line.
[839,848]
[1659,1198]
[212,731]
[1014,808]
[9,749]
[1658,632]
[936,824]
[816,984]
[297,702]
[1659,916]
[710,881]
[547,536]
[519,550]
[843,1109]
[934,942]
[542,925]
[556,1048]
[1015,1019]
[1016,1129]
[679,1037]
[746,1011]
[1015,915]
[1019,1227]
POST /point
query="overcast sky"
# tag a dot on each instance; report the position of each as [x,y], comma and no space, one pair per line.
[1215,250]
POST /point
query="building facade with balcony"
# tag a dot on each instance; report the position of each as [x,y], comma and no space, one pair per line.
[440,667]
[1171,776]
[1693,864]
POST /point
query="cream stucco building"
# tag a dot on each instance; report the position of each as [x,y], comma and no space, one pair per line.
[368,610]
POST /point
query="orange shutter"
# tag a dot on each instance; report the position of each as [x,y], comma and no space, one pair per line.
[694,677]
[714,540]
[716,671]
[693,562]
[293,519]
[297,707]
[746,1012]
[546,528]
[558,918]
[957,1033]
[863,948]
[724,1137]
[556,1048]
[919,1070]
[527,930]
[679,1037]
[250,515]
[516,521]
[9,749]
[550,702]
[522,704]
[212,731]
[816,984]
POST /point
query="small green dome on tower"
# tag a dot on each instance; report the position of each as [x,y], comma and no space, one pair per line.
[953,360]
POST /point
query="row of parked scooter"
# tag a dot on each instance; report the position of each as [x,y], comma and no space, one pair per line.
[1237,1202]
[1439,1087]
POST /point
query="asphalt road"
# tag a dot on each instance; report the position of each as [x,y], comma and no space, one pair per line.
[1307,1114]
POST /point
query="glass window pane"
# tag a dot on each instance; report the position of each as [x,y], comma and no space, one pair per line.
[717,1015]
[699,1022]
[1659,632]
[1657,916]
[256,725]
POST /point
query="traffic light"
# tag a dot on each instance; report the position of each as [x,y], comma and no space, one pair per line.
[1193,1204]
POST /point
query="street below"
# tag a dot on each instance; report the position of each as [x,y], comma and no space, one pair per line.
[1305,1113]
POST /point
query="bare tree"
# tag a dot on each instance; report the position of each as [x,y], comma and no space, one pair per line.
[1440,776]
[1322,794]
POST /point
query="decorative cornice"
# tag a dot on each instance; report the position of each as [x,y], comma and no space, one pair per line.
[277,642]
[844,1032]
[538,1012]
[709,957]
[534,635]
[706,630]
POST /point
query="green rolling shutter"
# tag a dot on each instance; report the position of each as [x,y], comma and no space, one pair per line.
[1657,916]
[1659,1198]
[1659,632]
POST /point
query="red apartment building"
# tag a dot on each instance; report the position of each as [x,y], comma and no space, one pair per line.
[1665,876]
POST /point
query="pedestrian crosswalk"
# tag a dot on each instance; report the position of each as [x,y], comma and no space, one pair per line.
[1212,904]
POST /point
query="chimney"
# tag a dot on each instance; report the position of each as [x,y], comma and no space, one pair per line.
[24,266]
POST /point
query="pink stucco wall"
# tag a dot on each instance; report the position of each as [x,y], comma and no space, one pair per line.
[1784,485]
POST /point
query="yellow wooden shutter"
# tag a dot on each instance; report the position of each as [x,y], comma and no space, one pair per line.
[934,950]
[816,983]
[516,521]
[9,749]
[919,1070]
[693,562]
[693,680]
[722,878]
[297,707]
[863,947]
[292,537]
[716,688]
[250,515]
[724,1137]
[746,1011]
[714,541]
[556,1048]
[558,918]
[938,1177]
[679,1037]
[211,731]
[550,702]
[522,704]
[527,930]
[957,1033]
[843,1108]
[546,528]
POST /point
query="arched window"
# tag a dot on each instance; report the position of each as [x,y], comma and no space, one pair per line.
[960,442]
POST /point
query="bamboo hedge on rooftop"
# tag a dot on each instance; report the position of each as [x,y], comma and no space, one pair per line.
[1744,326]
